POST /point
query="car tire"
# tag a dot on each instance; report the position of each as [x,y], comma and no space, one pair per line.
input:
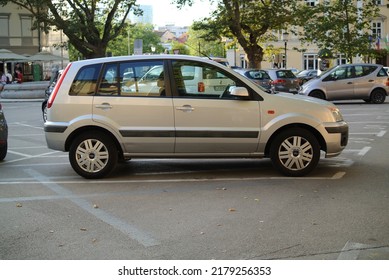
[3,150]
[378,96]
[317,94]
[93,155]
[295,152]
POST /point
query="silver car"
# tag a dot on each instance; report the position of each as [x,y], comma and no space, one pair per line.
[3,134]
[369,82]
[209,111]
[260,77]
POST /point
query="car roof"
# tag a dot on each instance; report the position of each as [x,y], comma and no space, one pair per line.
[145,57]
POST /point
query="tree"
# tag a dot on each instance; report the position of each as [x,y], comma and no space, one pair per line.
[340,26]
[198,44]
[89,24]
[250,22]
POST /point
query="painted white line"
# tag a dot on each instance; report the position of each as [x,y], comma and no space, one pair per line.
[25,156]
[369,133]
[382,133]
[364,151]
[351,251]
[141,236]
[27,125]
[336,176]
[360,152]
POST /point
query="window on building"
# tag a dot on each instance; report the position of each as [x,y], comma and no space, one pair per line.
[311,3]
[310,61]
[378,2]
[4,30]
[26,26]
[4,23]
[376,29]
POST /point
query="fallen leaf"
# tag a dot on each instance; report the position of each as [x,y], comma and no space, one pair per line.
[83,229]
[232,209]
[18,205]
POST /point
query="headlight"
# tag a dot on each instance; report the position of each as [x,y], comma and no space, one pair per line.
[336,113]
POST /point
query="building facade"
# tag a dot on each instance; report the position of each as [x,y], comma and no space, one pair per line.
[16,35]
[292,54]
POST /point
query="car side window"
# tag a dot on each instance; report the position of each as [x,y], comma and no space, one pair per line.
[144,78]
[109,83]
[200,80]
[84,84]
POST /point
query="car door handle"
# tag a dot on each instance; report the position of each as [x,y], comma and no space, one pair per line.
[350,83]
[185,108]
[104,106]
[371,81]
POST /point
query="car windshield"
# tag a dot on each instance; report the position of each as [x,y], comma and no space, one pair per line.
[303,73]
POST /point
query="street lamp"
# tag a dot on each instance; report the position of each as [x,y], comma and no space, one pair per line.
[285,36]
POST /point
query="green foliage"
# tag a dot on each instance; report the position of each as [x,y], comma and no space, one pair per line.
[200,44]
[124,43]
[89,24]
[339,26]
[250,22]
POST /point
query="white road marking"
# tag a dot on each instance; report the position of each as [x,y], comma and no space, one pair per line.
[351,251]
[336,176]
[135,233]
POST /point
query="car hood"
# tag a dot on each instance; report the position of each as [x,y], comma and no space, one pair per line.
[303,98]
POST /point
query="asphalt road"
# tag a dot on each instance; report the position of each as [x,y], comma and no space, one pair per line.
[196,209]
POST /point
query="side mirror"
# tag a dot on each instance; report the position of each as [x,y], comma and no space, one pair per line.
[239,91]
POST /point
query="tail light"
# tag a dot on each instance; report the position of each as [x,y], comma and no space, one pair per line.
[56,87]
[279,81]
[387,82]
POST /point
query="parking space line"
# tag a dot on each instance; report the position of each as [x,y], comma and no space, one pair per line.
[135,233]
[26,156]
[336,176]
[360,152]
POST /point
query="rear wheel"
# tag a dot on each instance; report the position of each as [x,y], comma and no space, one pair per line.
[295,152]
[317,94]
[93,155]
[378,96]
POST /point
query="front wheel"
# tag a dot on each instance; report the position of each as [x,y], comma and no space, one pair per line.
[295,152]
[317,94]
[93,155]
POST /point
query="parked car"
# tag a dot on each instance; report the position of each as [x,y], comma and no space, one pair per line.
[48,91]
[224,116]
[3,134]
[369,82]
[306,75]
[284,80]
[260,77]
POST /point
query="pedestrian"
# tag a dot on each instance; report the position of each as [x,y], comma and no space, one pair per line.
[3,78]
[18,76]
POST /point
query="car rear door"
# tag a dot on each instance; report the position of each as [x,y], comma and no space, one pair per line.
[141,116]
[208,121]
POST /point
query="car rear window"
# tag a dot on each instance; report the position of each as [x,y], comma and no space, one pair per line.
[285,74]
[258,75]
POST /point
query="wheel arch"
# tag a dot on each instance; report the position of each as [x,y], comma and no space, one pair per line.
[83,129]
[316,133]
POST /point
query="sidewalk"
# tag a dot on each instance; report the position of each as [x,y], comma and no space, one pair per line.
[27,91]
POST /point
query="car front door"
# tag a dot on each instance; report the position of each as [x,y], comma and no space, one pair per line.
[340,83]
[208,119]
